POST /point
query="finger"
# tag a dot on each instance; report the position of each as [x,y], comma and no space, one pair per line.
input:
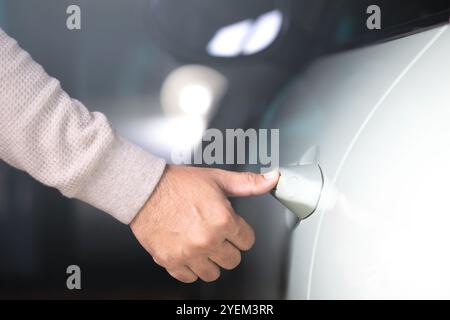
[227,256]
[183,274]
[205,269]
[242,184]
[243,236]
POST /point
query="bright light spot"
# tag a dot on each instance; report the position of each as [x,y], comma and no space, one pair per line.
[246,37]
[227,42]
[264,31]
[185,131]
[186,138]
[193,91]
[195,100]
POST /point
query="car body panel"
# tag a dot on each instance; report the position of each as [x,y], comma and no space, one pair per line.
[380,118]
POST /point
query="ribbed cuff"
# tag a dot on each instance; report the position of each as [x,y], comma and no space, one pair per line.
[123,181]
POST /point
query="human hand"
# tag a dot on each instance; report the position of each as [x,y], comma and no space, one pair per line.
[189,226]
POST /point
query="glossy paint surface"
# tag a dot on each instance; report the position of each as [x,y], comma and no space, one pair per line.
[380,118]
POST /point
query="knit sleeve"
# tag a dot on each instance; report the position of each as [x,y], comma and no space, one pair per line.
[61,144]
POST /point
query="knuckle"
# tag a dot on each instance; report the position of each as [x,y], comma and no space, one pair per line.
[251,181]
[224,219]
[203,242]
[160,259]
[236,260]
[187,278]
[191,279]
[174,260]
[233,261]
[211,275]
[188,252]
[250,178]
[168,260]
[182,276]
[250,240]
[159,263]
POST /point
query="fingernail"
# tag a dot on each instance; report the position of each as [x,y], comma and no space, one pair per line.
[271,175]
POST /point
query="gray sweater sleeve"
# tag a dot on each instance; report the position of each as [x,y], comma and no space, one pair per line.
[61,144]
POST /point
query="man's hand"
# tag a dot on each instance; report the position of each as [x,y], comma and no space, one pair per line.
[189,226]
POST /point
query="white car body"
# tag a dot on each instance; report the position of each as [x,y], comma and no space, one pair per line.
[379,117]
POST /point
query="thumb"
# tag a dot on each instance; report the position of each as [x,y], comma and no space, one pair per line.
[241,184]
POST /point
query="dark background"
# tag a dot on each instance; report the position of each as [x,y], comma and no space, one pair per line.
[116,64]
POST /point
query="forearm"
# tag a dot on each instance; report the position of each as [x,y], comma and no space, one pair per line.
[60,143]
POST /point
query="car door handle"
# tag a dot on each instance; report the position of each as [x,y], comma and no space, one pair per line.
[299,188]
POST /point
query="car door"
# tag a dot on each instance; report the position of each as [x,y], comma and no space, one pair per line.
[378,120]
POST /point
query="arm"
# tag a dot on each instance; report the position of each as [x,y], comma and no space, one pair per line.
[187,224]
[61,144]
